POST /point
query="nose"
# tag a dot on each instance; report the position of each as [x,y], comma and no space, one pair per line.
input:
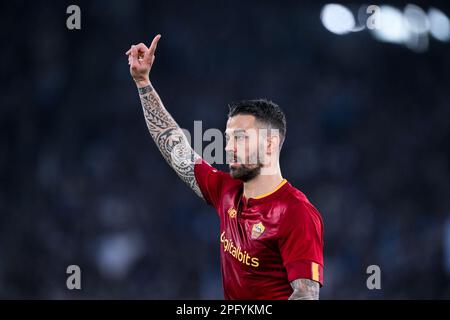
[230,151]
[230,146]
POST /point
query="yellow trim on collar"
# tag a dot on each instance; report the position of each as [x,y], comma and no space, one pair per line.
[269,193]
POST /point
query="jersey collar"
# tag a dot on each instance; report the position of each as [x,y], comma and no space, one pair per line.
[267,196]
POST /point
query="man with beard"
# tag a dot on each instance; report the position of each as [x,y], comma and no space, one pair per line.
[271,235]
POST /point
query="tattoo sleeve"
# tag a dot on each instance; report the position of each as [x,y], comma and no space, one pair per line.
[169,137]
[305,289]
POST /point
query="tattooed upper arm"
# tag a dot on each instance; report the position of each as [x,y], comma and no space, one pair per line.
[169,137]
[305,289]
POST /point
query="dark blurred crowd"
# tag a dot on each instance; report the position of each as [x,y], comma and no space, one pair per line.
[82,182]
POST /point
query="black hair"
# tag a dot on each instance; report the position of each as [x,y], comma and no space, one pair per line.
[264,111]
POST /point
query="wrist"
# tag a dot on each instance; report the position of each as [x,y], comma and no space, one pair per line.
[142,83]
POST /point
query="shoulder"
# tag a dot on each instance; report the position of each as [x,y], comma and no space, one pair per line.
[220,178]
[298,208]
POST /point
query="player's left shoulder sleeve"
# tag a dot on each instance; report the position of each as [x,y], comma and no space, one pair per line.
[301,242]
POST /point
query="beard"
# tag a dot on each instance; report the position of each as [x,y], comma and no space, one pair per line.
[244,172]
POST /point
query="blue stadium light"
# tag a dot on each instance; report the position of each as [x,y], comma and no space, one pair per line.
[418,25]
[337,18]
[392,26]
[439,25]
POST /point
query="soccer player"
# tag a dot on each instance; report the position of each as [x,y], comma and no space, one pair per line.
[271,236]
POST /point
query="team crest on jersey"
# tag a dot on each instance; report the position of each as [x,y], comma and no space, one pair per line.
[257,230]
[232,212]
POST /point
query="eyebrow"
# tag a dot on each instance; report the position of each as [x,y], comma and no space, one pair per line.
[235,131]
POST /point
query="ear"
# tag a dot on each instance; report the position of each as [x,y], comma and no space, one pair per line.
[273,141]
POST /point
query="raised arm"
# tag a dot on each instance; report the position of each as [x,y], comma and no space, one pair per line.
[166,133]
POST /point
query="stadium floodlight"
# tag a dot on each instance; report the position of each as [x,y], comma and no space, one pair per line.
[416,19]
[439,25]
[418,25]
[337,18]
[392,26]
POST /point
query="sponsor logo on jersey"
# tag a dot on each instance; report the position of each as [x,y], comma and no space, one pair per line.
[237,253]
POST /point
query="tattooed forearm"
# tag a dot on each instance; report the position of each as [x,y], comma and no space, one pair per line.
[145,90]
[304,289]
[169,137]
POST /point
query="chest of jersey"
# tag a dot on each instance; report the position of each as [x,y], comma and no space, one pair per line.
[249,232]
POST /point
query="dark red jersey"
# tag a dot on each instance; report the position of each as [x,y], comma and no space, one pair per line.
[266,242]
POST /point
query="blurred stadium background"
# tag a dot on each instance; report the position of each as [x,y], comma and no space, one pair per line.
[82,182]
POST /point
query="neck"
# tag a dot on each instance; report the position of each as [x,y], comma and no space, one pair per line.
[262,184]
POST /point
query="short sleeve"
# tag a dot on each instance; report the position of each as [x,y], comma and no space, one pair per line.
[210,181]
[301,242]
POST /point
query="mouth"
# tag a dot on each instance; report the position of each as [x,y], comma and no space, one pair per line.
[233,161]
[235,164]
